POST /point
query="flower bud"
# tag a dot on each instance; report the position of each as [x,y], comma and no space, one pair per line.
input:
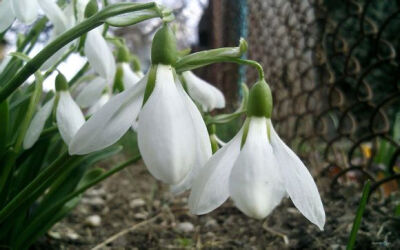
[123,54]
[260,100]
[163,49]
[118,79]
[91,8]
[61,82]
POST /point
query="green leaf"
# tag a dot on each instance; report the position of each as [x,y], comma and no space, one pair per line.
[35,228]
[90,176]
[4,123]
[359,214]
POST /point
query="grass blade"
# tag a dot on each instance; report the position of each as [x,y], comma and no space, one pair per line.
[360,211]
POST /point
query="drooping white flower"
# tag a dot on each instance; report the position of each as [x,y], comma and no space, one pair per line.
[61,22]
[256,169]
[6,15]
[170,123]
[37,124]
[91,93]
[25,11]
[110,122]
[99,55]
[208,96]
[172,136]
[69,117]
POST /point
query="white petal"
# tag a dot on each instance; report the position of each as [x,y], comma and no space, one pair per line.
[91,93]
[100,103]
[255,184]
[26,11]
[129,77]
[211,186]
[54,13]
[298,182]
[37,124]
[6,15]
[69,15]
[110,122]
[208,96]
[80,8]
[55,57]
[165,134]
[99,55]
[203,144]
[69,117]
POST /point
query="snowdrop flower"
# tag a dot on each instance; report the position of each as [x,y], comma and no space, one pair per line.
[125,77]
[26,11]
[99,55]
[256,169]
[172,136]
[92,92]
[61,21]
[208,96]
[69,117]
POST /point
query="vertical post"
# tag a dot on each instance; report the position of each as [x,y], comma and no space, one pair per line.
[242,25]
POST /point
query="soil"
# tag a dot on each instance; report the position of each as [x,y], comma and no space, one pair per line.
[131,210]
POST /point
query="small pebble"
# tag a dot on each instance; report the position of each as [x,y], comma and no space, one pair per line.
[141,215]
[96,201]
[137,203]
[93,220]
[211,223]
[185,227]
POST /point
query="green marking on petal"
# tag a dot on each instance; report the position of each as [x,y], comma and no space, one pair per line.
[151,83]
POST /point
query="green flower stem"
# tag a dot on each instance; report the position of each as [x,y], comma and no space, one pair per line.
[10,161]
[206,57]
[35,184]
[38,220]
[68,36]
[251,63]
[31,38]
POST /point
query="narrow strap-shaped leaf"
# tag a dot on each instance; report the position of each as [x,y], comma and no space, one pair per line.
[357,219]
[31,232]
[4,120]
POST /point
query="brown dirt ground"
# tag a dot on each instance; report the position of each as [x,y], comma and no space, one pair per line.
[146,216]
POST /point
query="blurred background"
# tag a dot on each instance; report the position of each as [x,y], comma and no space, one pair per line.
[333,66]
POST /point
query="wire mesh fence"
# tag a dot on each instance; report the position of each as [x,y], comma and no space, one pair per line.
[333,67]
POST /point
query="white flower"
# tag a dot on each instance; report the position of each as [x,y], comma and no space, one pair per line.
[61,22]
[208,96]
[6,15]
[68,116]
[25,11]
[256,176]
[99,55]
[110,122]
[91,93]
[37,124]
[172,136]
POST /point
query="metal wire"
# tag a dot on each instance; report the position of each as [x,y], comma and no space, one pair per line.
[333,67]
